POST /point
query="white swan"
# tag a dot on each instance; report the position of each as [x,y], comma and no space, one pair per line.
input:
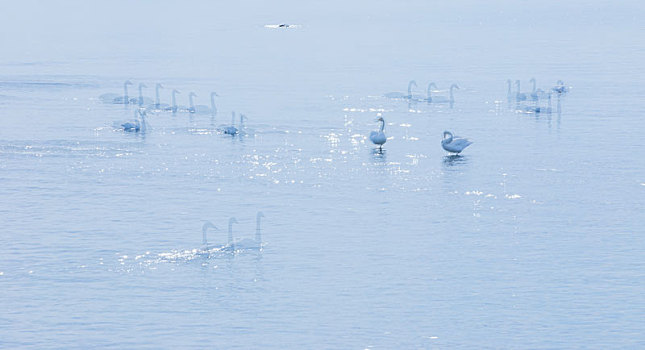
[136,126]
[441,99]
[454,144]
[191,102]
[231,244]
[519,96]
[158,105]
[378,137]
[203,109]
[205,228]
[173,107]
[116,99]
[251,244]
[400,94]
[231,129]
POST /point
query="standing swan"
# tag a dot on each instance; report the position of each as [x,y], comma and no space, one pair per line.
[454,144]
[378,137]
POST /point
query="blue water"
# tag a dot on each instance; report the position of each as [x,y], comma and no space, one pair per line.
[533,238]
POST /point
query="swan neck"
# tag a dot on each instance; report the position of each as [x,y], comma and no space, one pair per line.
[258,234]
[382,125]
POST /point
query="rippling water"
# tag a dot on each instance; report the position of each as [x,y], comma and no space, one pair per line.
[531,239]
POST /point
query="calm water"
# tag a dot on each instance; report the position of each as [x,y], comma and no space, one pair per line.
[532,239]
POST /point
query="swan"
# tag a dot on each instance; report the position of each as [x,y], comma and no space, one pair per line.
[378,137]
[231,129]
[141,86]
[116,99]
[400,94]
[560,88]
[191,109]
[518,95]
[203,109]
[173,100]
[251,244]
[454,144]
[231,243]
[136,126]
[205,228]
[158,104]
[441,99]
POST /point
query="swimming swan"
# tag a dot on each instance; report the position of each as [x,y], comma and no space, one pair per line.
[252,244]
[378,137]
[203,109]
[114,98]
[205,228]
[441,99]
[173,108]
[231,129]
[519,96]
[454,144]
[136,126]
[400,94]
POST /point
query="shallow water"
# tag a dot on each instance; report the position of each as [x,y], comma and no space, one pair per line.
[531,239]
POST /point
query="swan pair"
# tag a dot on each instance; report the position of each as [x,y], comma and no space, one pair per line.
[235,245]
[202,109]
[429,98]
[136,126]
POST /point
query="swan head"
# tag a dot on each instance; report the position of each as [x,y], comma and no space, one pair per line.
[432,86]
[380,119]
[192,94]
[447,135]
[159,86]
[143,112]
[532,80]
[127,82]
[260,215]
[412,82]
[232,221]
[208,225]
[213,94]
[142,85]
[454,86]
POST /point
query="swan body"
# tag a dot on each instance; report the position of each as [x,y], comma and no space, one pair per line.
[378,137]
[454,144]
